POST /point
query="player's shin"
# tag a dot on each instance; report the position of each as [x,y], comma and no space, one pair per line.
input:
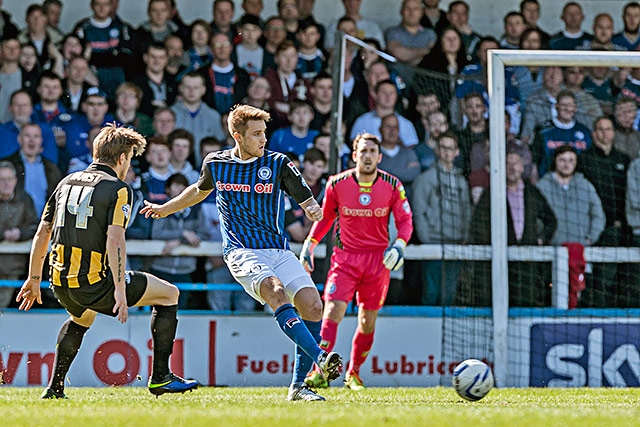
[360,348]
[329,332]
[164,323]
[303,362]
[68,344]
[293,326]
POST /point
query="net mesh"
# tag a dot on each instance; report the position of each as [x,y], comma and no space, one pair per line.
[572,271]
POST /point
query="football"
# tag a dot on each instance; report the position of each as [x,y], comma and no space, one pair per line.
[472,379]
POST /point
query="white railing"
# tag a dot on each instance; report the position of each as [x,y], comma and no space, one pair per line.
[557,255]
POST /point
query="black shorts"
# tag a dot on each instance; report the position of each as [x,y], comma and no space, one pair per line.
[99,296]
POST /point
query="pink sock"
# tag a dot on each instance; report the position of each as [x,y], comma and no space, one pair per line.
[360,348]
[328,333]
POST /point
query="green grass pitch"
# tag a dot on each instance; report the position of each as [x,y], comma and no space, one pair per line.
[258,407]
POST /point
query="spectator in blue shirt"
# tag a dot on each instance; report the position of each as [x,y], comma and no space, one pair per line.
[311,59]
[94,108]
[563,130]
[158,155]
[475,81]
[572,36]
[297,138]
[21,110]
[629,39]
[37,176]
[50,109]
[111,42]
[226,84]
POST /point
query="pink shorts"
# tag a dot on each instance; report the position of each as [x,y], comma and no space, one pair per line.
[362,274]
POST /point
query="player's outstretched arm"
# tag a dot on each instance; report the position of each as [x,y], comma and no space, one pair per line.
[189,197]
[117,254]
[30,290]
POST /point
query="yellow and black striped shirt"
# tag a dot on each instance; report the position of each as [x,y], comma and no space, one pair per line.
[80,210]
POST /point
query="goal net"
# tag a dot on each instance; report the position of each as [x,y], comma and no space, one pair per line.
[543,307]
[591,345]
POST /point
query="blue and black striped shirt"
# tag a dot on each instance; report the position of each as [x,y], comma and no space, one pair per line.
[250,197]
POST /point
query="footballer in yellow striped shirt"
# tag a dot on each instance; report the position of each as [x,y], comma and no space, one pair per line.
[85,220]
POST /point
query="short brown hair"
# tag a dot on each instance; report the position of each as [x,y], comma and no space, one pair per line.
[300,103]
[313,154]
[240,114]
[207,142]
[367,137]
[176,178]
[204,24]
[566,94]
[158,1]
[625,99]
[286,44]
[114,140]
[472,95]
[180,134]
[447,134]
[600,119]
[158,140]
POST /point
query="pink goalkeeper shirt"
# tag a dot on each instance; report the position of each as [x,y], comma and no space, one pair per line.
[362,211]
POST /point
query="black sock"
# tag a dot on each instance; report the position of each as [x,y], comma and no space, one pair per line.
[69,340]
[163,330]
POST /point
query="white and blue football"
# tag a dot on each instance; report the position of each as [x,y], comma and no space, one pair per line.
[472,379]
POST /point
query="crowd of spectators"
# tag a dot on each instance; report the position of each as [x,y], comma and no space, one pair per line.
[572,133]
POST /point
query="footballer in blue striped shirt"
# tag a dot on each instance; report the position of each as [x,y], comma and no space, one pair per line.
[250,184]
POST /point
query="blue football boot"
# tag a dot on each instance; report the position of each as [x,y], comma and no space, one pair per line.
[172,384]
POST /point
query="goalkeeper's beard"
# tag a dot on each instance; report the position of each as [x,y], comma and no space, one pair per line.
[367,172]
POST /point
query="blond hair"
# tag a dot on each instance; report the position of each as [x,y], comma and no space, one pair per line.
[114,140]
[240,114]
[125,86]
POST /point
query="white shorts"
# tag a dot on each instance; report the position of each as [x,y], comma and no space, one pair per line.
[251,266]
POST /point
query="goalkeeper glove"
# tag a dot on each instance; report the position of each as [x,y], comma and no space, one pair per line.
[394,255]
[306,254]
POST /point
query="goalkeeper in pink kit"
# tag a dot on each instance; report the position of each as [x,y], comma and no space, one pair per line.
[361,200]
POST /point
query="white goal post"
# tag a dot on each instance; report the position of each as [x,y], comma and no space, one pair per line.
[497,61]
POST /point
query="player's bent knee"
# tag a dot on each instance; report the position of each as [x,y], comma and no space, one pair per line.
[160,292]
[367,328]
[308,304]
[275,300]
[315,305]
[368,324]
[86,320]
[311,310]
[172,294]
[335,310]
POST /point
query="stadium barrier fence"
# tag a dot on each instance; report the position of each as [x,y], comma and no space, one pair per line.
[557,255]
